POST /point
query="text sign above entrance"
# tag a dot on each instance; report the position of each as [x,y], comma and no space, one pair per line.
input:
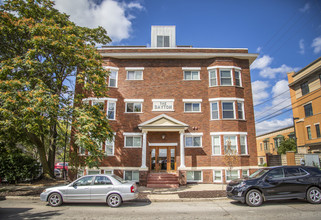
[163,105]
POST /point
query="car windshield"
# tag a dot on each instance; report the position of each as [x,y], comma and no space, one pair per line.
[258,173]
[119,178]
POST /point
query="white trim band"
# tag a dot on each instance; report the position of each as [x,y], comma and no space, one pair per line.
[226,99]
[133,100]
[229,133]
[132,134]
[194,134]
[99,99]
[191,68]
[134,68]
[163,100]
[192,100]
[162,144]
[111,67]
[224,67]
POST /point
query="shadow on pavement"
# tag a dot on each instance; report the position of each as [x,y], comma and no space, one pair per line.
[124,204]
[22,213]
[274,203]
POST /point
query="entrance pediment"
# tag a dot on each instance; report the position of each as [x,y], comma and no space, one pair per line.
[163,123]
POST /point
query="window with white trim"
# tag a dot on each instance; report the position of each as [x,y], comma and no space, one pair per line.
[240,110]
[216,145]
[134,141]
[111,110]
[217,176]
[237,75]
[93,172]
[226,77]
[230,144]
[243,142]
[193,140]
[194,176]
[110,147]
[99,103]
[191,75]
[133,107]
[162,41]
[131,175]
[134,75]
[108,171]
[231,175]
[213,77]
[192,107]
[245,173]
[228,110]
[214,110]
[113,75]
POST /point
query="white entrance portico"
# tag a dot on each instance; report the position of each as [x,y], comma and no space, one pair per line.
[163,123]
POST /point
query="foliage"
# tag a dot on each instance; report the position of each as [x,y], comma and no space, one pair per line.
[287,145]
[15,166]
[231,159]
[41,54]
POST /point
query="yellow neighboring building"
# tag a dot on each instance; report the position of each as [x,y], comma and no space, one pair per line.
[269,142]
[305,90]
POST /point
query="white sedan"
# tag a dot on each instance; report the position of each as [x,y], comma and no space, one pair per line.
[92,188]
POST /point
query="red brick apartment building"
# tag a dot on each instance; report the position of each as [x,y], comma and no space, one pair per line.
[173,109]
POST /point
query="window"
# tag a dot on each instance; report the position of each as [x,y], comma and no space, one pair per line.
[230,145]
[277,141]
[134,74]
[276,173]
[317,129]
[237,75]
[308,110]
[228,110]
[110,147]
[191,75]
[245,173]
[231,175]
[261,145]
[192,107]
[309,132]
[162,41]
[133,107]
[131,175]
[133,141]
[113,78]
[216,145]
[102,180]
[85,181]
[99,103]
[111,109]
[93,172]
[293,172]
[240,110]
[213,78]
[193,141]
[194,176]
[108,171]
[214,110]
[261,160]
[217,176]
[243,144]
[305,88]
[226,77]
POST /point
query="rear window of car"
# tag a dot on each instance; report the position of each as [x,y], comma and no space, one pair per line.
[293,172]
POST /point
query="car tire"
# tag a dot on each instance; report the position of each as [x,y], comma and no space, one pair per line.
[314,195]
[114,200]
[254,198]
[54,199]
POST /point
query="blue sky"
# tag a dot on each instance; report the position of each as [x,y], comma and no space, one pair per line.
[285,33]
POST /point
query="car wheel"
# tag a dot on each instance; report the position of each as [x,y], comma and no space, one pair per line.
[254,198]
[114,200]
[314,195]
[55,199]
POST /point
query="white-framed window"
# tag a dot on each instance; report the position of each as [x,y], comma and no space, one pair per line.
[131,175]
[194,176]
[217,176]
[113,76]
[226,77]
[231,175]
[100,103]
[238,79]
[81,151]
[93,172]
[108,171]
[214,111]
[212,77]
[192,105]
[110,147]
[230,144]
[134,73]
[162,41]
[193,140]
[240,110]
[163,105]
[133,140]
[134,105]
[228,110]
[243,143]
[191,75]
[245,173]
[111,110]
[216,145]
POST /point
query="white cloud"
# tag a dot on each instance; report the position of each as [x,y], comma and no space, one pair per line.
[305,8]
[262,62]
[271,73]
[301,46]
[316,44]
[259,49]
[259,91]
[110,14]
[267,126]
[281,92]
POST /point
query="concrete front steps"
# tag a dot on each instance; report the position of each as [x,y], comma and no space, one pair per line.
[162,180]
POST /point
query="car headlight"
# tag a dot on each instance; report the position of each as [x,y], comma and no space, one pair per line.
[241,184]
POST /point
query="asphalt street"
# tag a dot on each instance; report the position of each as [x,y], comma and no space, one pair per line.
[215,209]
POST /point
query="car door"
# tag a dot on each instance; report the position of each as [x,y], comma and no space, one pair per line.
[296,181]
[79,191]
[100,188]
[273,185]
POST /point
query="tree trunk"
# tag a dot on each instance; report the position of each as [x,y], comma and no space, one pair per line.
[52,149]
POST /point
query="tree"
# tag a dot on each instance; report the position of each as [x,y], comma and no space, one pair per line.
[287,145]
[41,54]
[231,159]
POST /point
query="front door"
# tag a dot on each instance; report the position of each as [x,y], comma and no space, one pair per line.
[162,159]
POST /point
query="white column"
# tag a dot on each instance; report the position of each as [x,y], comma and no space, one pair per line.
[182,150]
[144,150]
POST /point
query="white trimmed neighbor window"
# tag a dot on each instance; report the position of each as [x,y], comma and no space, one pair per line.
[230,144]
[93,172]
[231,175]
[212,77]
[245,173]
[131,175]
[110,147]
[194,176]
[217,176]
[240,110]
[216,145]
[133,140]
[113,76]
[134,73]
[226,77]
[99,103]
[193,140]
[134,105]
[214,111]
[191,73]
[238,80]
[108,171]
[192,105]
[111,110]
[228,110]
[243,142]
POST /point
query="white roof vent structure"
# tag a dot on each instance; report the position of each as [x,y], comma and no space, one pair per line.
[163,36]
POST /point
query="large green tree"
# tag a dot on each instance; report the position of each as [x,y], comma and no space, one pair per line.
[287,145]
[42,53]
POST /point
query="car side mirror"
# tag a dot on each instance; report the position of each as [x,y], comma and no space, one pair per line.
[268,179]
[74,184]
